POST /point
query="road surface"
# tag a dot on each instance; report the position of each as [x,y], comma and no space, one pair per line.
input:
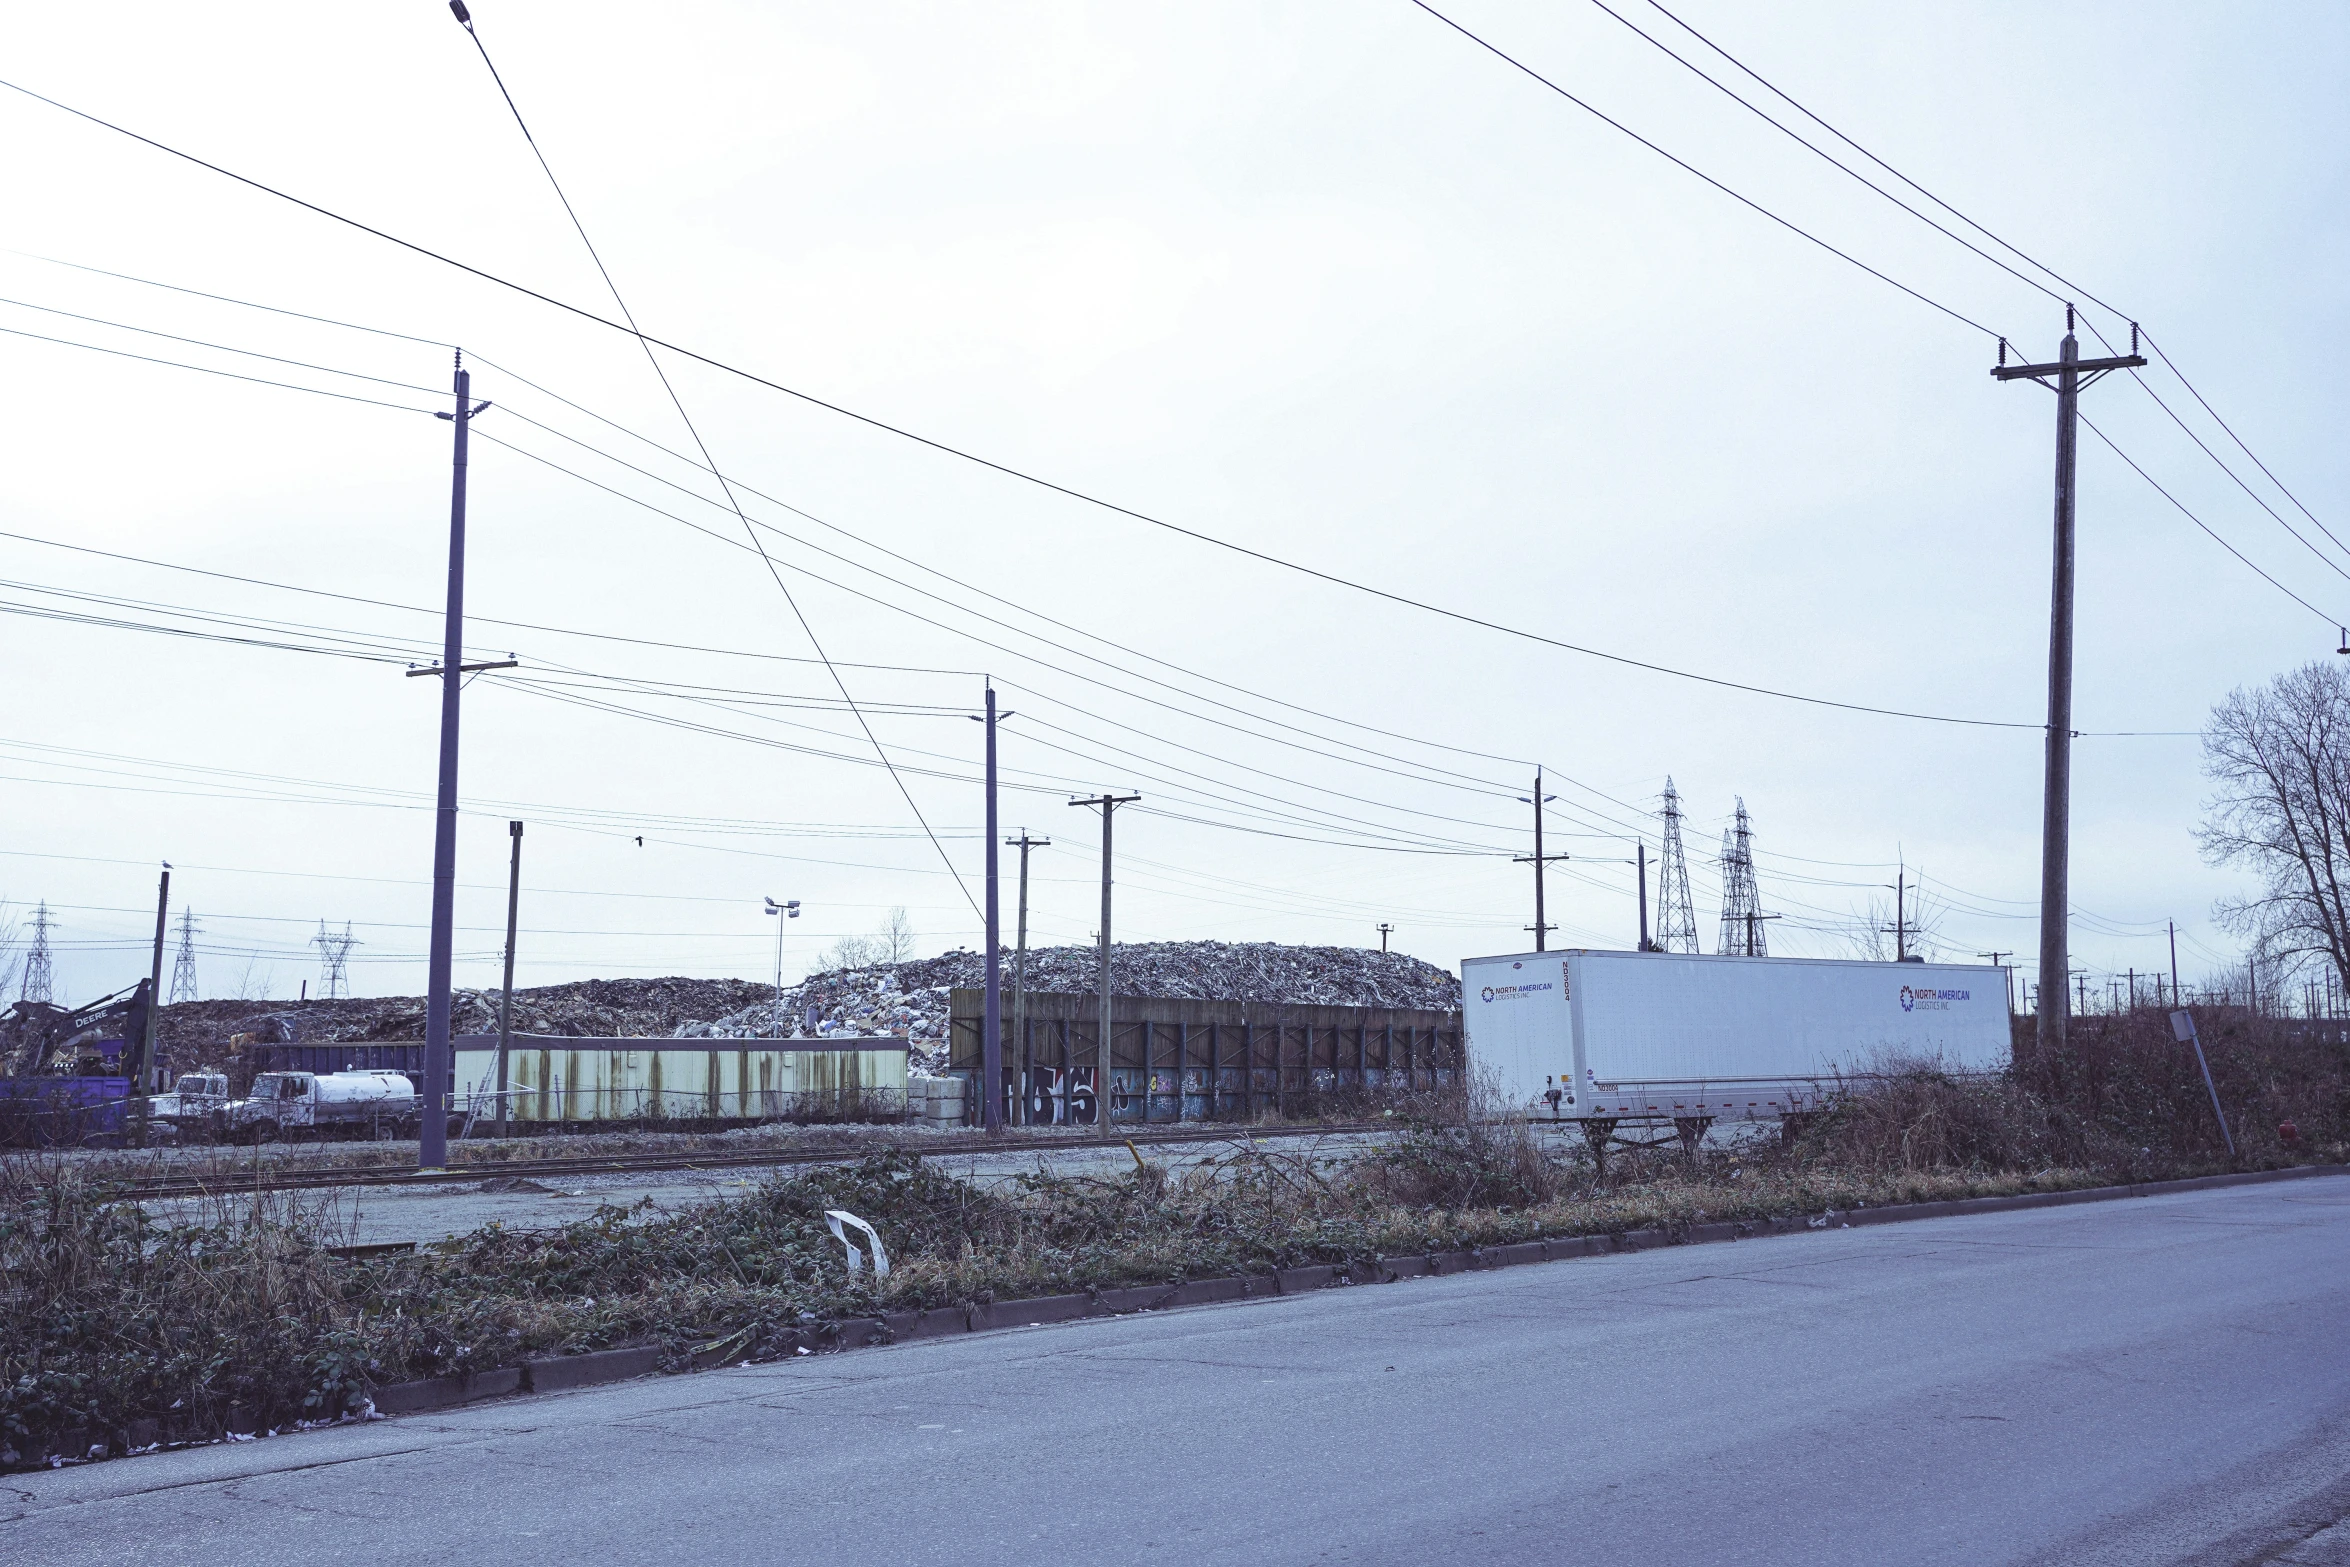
[2160,1380]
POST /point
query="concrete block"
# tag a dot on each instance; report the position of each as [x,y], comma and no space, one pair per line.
[1443,1262]
[552,1373]
[1203,1292]
[1405,1267]
[1021,1313]
[406,1398]
[1512,1255]
[936,1322]
[1291,1281]
[1148,1297]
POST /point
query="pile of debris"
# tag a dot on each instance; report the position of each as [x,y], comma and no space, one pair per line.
[591,1008]
[910,999]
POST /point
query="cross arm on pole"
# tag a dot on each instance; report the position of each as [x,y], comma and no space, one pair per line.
[2080,366]
[465,669]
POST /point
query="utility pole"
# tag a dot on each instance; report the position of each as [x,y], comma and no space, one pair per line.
[1108,805]
[1024,843]
[1642,861]
[506,994]
[1385,930]
[991,1041]
[2133,990]
[142,1052]
[2071,373]
[2174,964]
[1901,916]
[1538,859]
[432,1150]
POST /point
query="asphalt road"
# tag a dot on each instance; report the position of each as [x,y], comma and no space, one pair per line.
[2163,1380]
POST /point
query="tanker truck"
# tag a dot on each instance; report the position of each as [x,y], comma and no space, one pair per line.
[323,1104]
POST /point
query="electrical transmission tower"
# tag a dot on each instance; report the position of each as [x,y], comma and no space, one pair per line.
[37,978]
[333,951]
[1742,915]
[1676,922]
[183,966]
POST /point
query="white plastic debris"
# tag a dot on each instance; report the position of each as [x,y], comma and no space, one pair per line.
[836,1218]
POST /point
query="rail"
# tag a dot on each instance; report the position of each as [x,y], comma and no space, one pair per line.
[256,1175]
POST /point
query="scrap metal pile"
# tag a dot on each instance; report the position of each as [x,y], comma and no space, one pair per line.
[910,999]
[593,1008]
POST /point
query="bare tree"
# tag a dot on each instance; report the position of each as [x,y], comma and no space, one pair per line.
[896,937]
[255,982]
[892,943]
[2281,758]
[1869,934]
[12,950]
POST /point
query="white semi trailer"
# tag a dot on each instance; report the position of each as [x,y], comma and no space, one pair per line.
[1602,1038]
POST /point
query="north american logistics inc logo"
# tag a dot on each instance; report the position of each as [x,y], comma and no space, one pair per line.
[1930,1000]
[1510,992]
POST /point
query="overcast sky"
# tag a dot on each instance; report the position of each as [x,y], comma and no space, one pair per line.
[1326,281]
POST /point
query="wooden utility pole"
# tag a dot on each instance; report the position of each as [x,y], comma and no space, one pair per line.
[506,994]
[1023,843]
[1538,859]
[1108,805]
[1385,930]
[432,1142]
[2066,378]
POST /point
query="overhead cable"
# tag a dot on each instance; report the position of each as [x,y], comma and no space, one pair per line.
[1388,595]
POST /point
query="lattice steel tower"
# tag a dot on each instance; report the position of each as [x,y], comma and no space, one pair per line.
[1742,915]
[1676,915]
[37,978]
[183,966]
[333,952]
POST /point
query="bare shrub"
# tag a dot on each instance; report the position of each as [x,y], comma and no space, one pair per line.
[1463,1149]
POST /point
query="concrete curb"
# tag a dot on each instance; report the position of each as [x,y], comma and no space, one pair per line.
[554,1373]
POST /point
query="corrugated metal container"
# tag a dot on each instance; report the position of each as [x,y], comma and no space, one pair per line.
[552,1079]
[571,1079]
[1589,1035]
[1182,1059]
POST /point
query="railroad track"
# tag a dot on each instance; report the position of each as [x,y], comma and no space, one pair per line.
[258,1176]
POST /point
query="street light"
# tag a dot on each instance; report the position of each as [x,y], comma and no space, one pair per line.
[789,911]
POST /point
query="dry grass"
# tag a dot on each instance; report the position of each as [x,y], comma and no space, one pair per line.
[243,1322]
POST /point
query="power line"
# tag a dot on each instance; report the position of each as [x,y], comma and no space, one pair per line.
[2077,291]
[2206,527]
[1745,201]
[487,620]
[1459,616]
[224,299]
[197,342]
[457,7]
[177,364]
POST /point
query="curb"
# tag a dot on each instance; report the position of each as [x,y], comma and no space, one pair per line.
[559,1372]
